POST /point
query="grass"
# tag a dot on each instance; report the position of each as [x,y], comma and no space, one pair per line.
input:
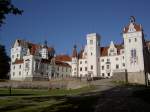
[33,92]
[55,100]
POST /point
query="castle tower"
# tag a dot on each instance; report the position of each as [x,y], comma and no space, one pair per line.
[133,44]
[74,62]
[93,54]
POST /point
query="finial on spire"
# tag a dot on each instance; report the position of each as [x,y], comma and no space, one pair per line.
[132,19]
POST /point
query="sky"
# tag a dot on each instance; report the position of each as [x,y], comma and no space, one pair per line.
[64,23]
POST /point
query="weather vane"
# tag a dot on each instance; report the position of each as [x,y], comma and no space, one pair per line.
[132,19]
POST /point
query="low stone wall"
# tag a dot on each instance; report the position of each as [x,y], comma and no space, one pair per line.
[136,77]
[66,84]
[120,77]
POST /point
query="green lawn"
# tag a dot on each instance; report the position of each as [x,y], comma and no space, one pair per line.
[56,100]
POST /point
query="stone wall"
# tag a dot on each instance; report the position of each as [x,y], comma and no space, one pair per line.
[137,77]
[64,84]
[120,77]
[130,77]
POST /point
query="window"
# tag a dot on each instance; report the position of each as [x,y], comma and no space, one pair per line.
[91,53]
[123,64]
[133,53]
[74,69]
[66,69]
[117,59]
[80,68]
[108,60]
[135,39]
[111,50]
[102,67]
[12,56]
[91,67]
[107,66]
[85,68]
[13,73]
[80,62]
[14,67]
[103,74]
[91,42]
[108,74]
[27,65]
[129,40]
[123,57]
[58,68]
[19,73]
[85,62]
[102,60]
[17,55]
[117,66]
[20,66]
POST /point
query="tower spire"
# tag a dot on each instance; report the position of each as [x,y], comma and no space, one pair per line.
[132,19]
[74,53]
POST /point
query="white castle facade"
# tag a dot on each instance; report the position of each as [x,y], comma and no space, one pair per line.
[30,61]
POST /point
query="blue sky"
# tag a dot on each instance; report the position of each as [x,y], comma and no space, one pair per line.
[64,23]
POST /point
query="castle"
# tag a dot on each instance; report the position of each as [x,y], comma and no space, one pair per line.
[32,61]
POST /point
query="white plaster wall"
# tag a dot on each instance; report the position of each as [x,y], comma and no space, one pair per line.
[138,45]
[63,71]
[15,69]
[93,53]
[74,66]
[82,65]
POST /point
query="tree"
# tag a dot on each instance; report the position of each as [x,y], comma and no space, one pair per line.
[6,7]
[4,63]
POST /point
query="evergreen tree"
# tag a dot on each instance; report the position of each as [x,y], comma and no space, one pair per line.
[6,7]
[4,63]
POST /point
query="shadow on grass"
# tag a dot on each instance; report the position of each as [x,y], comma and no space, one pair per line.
[80,103]
[143,94]
[117,99]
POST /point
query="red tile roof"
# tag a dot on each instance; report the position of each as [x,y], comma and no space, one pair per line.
[136,26]
[18,61]
[80,55]
[33,47]
[104,50]
[59,63]
[63,58]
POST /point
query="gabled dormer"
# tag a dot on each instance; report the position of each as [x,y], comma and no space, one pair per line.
[112,51]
